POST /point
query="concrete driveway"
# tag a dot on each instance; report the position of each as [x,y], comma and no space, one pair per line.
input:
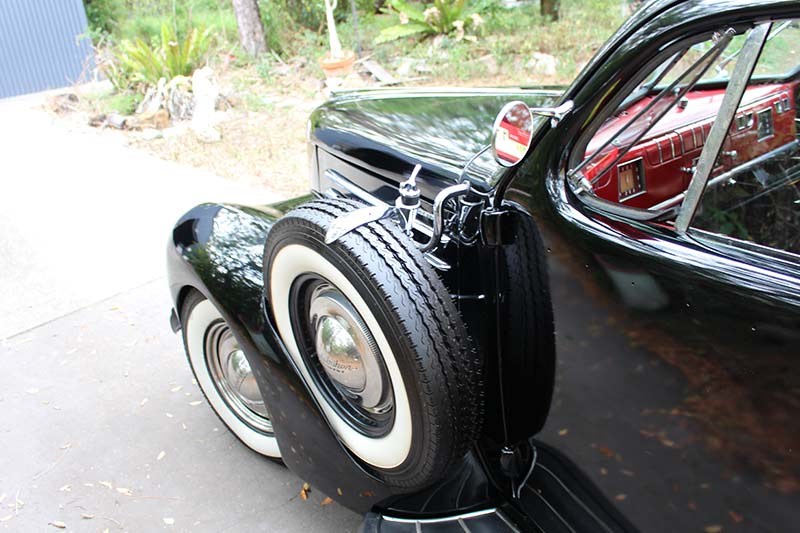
[101,425]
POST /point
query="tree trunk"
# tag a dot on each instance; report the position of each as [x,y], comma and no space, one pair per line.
[251,30]
[550,9]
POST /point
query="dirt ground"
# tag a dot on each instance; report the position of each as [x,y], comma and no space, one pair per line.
[262,124]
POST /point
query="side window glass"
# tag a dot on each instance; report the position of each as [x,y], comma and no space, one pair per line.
[753,194]
[643,155]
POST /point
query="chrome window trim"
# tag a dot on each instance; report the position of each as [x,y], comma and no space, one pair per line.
[740,77]
[764,253]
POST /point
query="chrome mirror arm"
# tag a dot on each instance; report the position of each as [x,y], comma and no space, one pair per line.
[555,114]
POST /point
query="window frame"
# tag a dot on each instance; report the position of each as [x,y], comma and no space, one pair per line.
[575,159]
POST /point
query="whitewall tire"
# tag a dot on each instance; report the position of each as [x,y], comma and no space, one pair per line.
[224,376]
[378,342]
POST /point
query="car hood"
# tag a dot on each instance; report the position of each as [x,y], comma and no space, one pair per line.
[387,131]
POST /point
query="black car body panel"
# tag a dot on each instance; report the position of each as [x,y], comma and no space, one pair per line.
[677,389]
[386,131]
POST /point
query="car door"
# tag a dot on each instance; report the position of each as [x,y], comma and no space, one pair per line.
[671,246]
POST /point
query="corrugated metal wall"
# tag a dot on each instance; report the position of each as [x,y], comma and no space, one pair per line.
[43,45]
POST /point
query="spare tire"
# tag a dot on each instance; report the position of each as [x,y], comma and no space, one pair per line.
[378,342]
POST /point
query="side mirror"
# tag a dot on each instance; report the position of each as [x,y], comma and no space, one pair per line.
[511,134]
[513,129]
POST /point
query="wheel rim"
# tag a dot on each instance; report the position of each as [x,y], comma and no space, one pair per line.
[343,357]
[234,378]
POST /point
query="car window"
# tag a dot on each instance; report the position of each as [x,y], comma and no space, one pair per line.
[753,194]
[643,154]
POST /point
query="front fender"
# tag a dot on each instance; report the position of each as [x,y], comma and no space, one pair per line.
[218,249]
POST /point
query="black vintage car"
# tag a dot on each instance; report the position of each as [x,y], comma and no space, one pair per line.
[581,314]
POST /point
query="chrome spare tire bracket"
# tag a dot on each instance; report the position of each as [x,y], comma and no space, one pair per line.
[406,207]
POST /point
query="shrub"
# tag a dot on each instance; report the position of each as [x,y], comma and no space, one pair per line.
[443,17]
[102,16]
[139,63]
[311,13]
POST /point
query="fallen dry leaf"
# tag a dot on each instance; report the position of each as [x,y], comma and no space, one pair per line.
[107,484]
[87,516]
[176,389]
[59,525]
[621,497]
[736,517]
[606,451]
[603,472]
[326,501]
[169,521]
[367,494]
[161,455]
[126,492]
[339,491]
[304,491]
[713,529]
[562,432]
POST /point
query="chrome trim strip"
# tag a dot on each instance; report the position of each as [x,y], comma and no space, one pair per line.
[552,509]
[575,498]
[719,129]
[353,189]
[454,518]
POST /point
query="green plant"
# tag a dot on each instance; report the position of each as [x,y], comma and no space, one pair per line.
[137,62]
[443,17]
[102,16]
[311,13]
[123,103]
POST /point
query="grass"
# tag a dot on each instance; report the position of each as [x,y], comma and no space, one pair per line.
[122,103]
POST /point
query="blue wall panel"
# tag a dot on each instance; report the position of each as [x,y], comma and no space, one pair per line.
[43,45]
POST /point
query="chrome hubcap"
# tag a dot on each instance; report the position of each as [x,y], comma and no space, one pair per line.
[234,378]
[343,358]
